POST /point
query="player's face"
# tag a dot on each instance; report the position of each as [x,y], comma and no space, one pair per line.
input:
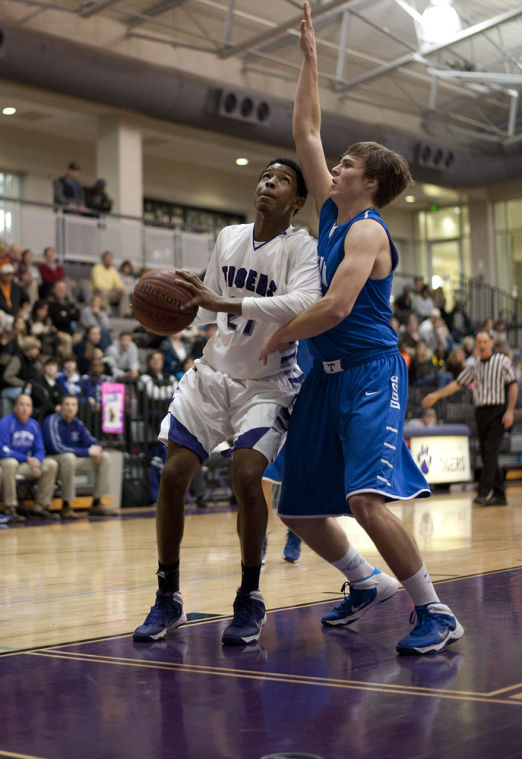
[348,180]
[276,190]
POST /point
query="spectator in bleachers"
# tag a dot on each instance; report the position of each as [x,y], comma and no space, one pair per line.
[128,278]
[64,315]
[428,419]
[106,282]
[69,378]
[22,452]
[23,369]
[468,346]
[76,451]
[95,315]
[418,284]
[122,357]
[500,328]
[91,383]
[15,254]
[52,391]
[97,199]
[489,327]
[50,272]
[404,304]
[456,362]
[89,347]
[203,336]
[40,325]
[13,298]
[422,370]
[409,334]
[175,349]
[459,322]
[423,303]
[439,301]
[435,333]
[157,385]
[69,192]
[28,275]
[403,350]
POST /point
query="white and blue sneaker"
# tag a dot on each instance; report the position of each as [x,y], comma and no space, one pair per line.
[292,549]
[166,613]
[360,600]
[249,617]
[435,628]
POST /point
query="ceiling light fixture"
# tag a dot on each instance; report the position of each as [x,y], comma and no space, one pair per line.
[439,22]
[410,198]
[242,161]
[9,110]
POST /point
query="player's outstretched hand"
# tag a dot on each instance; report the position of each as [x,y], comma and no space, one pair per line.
[307,38]
[203,296]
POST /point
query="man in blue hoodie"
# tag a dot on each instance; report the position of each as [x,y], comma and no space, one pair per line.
[76,451]
[22,452]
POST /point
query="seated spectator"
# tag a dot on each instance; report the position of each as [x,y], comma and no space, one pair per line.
[28,275]
[64,315]
[489,327]
[22,370]
[13,298]
[175,349]
[22,452]
[435,333]
[423,303]
[500,328]
[459,322]
[456,362]
[91,383]
[106,282]
[439,301]
[128,278]
[122,358]
[403,305]
[41,326]
[69,378]
[96,198]
[409,334]
[50,272]
[468,346]
[202,337]
[95,315]
[15,254]
[427,369]
[158,388]
[52,391]
[428,419]
[89,347]
[68,190]
[76,451]
[403,350]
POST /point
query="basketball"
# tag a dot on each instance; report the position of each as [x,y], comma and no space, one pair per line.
[156,302]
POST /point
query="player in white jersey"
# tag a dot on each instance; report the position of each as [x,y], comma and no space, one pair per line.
[260,276]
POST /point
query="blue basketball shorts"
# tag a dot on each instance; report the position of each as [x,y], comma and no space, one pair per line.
[346,438]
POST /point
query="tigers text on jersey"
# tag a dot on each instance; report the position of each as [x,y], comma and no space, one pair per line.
[277,279]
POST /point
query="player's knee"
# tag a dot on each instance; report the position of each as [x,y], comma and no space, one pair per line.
[362,508]
[175,478]
[245,481]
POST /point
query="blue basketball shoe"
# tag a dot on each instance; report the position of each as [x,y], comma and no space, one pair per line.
[249,617]
[435,628]
[167,612]
[361,600]
[292,549]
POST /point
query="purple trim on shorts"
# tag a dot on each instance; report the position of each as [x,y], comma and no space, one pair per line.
[297,380]
[250,438]
[179,434]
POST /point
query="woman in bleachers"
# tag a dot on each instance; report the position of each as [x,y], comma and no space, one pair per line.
[175,349]
[50,272]
[40,325]
[28,274]
[89,347]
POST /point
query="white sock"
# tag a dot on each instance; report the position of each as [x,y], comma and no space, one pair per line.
[420,588]
[356,569]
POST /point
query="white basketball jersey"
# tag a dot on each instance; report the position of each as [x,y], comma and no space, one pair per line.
[277,279]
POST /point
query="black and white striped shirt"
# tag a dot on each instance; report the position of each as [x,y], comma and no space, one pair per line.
[490,377]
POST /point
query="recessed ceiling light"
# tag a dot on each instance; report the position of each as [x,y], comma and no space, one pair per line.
[242,161]
[410,198]
[9,110]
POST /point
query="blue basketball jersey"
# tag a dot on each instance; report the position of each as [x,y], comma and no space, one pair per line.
[367,328]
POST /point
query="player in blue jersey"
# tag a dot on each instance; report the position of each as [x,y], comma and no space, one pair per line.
[348,417]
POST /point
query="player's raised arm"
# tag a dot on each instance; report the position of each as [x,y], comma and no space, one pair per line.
[307,118]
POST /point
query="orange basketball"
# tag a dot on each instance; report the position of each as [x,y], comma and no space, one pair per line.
[156,302]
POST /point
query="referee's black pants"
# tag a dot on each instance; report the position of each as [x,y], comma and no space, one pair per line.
[490,432]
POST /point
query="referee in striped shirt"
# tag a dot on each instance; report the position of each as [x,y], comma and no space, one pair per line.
[491,373]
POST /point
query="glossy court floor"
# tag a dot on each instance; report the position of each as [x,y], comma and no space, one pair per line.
[74,685]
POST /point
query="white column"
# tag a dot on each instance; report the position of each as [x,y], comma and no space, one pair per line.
[119,162]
